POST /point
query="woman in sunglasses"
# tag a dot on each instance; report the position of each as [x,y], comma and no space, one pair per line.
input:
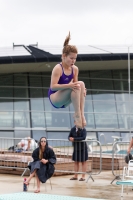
[43,165]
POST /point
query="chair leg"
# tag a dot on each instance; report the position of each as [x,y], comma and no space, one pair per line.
[122,187]
[50,183]
[45,187]
[24,172]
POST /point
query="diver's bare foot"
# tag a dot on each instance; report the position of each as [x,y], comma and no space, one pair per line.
[83,120]
[78,120]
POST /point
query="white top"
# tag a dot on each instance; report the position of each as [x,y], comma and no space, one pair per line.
[33,144]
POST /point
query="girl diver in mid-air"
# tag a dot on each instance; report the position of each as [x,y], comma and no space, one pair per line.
[65,87]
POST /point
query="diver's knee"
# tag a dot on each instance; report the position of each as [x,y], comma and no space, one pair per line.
[81,83]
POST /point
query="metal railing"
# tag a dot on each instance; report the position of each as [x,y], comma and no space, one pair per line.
[14,157]
[119,151]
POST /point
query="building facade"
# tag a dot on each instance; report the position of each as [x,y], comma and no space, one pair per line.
[25,109]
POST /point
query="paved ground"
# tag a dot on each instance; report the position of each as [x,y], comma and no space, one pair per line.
[61,185]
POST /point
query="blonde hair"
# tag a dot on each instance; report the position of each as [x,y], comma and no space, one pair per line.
[68,48]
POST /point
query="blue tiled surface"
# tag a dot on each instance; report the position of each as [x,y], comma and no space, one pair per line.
[33,196]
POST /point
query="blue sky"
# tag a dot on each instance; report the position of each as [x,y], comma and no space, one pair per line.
[91,22]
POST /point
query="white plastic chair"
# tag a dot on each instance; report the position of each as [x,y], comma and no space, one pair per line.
[127,174]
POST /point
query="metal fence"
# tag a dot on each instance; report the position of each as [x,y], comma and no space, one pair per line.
[14,157]
[119,151]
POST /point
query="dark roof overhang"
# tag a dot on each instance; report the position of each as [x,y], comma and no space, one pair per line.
[40,60]
[39,55]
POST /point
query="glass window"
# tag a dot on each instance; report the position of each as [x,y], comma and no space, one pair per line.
[102,84]
[37,104]
[21,92]
[125,121]
[21,104]
[90,120]
[6,104]
[6,134]
[88,95]
[36,93]
[101,74]
[46,81]
[126,136]
[83,74]
[45,92]
[6,80]
[37,134]
[121,85]
[107,137]
[106,120]
[36,73]
[131,74]
[123,96]
[6,92]
[88,107]
[37,119]
[120,74]
[91,135]
[57,139]
[58,120]
[21,134]
[56,117]
[104,106]
[6,119]
[5,143]
[20,80]
[123,107]
[103,95]
[131,85]
[35,81]
[21,119]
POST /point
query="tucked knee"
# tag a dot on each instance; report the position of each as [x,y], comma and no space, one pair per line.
[81,83]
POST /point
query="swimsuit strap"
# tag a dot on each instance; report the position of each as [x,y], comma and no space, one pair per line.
[63,69]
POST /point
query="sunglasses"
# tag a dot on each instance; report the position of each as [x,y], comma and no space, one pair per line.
[43,140]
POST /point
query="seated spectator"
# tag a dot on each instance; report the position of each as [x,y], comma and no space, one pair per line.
[27,144]
[43,165]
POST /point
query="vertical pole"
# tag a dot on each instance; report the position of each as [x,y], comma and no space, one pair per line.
[129,90]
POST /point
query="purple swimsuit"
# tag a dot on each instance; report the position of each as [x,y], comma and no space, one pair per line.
[64,79]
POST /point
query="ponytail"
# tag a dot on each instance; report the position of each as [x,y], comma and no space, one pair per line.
[67,49]
[67,40]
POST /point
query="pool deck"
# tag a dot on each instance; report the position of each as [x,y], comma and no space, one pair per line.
[61,185]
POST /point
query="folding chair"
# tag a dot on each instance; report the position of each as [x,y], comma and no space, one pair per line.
[34,177]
